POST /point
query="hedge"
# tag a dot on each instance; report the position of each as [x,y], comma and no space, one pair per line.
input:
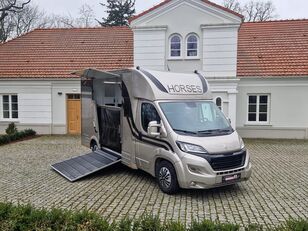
[26,217]
[19,135]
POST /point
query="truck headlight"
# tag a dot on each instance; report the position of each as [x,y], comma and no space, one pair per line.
[191,148]
[242,145]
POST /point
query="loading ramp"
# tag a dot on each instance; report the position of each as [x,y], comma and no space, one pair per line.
[79,167]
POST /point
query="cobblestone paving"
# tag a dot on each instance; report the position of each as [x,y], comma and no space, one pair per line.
[278,188]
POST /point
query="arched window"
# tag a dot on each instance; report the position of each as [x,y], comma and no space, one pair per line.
[175,46]
[219,103]
[192,45]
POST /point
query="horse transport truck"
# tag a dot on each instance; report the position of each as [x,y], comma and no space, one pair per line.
[163,123]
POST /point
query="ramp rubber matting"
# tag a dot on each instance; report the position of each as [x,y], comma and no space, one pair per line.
[82,166]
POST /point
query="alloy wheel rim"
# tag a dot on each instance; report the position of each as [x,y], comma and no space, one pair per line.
[165,177]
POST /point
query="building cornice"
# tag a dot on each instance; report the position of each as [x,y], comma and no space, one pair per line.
[224,25]
[149,28]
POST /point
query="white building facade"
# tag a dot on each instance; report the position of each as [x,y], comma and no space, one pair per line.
[38,104]
[286,107]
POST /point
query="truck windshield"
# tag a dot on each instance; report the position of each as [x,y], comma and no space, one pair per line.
[198,118]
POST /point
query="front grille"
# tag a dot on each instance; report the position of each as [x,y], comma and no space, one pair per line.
[227,161]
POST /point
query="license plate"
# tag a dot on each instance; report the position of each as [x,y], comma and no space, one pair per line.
[231,178]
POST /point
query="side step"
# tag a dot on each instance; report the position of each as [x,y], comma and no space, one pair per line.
[78,167]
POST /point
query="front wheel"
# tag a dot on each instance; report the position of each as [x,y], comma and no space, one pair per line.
[166,177]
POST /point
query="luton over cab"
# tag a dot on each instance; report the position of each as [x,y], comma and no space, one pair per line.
[161,122]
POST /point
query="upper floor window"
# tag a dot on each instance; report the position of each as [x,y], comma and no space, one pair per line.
[192,45]
[175,46]
[258,108]
[9,106]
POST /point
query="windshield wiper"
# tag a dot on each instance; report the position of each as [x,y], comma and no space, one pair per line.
[186,132]
[214,131]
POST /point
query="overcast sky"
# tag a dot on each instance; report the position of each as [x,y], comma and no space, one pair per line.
[286,9]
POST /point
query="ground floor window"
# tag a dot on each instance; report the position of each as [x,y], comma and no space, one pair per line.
[258,108]
[9,106]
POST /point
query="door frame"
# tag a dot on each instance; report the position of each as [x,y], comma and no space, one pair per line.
[67,113]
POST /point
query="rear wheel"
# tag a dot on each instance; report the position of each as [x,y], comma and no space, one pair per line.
[93,146]
[166,177]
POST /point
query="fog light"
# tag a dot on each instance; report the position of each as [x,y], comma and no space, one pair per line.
[194,169]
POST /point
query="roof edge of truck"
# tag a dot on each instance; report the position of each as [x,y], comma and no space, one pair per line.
[156,85]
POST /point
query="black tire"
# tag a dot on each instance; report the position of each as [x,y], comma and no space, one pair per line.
[94,146]
[166,177]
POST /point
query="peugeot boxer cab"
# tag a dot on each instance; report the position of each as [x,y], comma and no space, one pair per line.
[165,124]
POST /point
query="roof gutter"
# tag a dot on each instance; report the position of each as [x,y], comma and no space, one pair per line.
[274,77]
[37,79]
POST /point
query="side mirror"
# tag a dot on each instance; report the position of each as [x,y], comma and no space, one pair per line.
[153,129]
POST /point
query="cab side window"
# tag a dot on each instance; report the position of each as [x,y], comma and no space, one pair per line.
[148,114]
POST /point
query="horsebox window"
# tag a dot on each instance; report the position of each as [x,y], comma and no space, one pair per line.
[148,114]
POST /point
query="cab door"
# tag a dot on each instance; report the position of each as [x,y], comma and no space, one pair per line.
[145,151]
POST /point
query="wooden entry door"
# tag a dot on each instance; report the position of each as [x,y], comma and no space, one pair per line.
[73,115]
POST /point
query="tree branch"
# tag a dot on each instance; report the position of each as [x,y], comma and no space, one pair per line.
[12,7]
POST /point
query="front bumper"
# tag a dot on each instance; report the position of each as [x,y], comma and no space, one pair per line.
[196,172]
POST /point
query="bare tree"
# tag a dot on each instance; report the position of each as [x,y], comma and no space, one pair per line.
[233,5]
[8,8]
[259,11]
[253,10]
[63,21]
[84,19]
[6,28]
[28,19]
[86,16]
[22,21]
[21,17]
[11,6]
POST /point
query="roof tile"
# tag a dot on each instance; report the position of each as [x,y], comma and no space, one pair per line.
[265,49]
[273,49]
[55,53]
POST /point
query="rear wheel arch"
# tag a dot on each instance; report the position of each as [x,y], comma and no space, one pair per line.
[94,145]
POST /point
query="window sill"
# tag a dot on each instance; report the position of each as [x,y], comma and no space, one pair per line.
[9,121]
[258,124]
[192,58]
[184,59]
[176,58]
